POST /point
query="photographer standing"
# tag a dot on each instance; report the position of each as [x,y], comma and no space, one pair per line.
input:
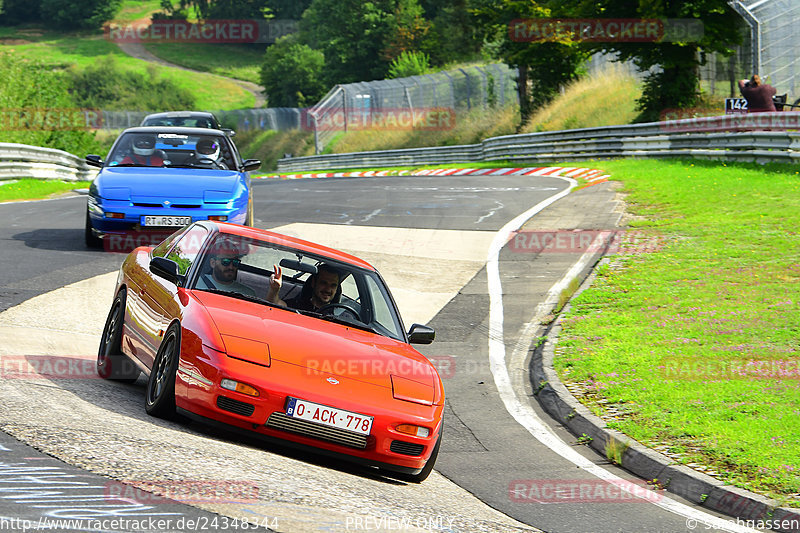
[758,95]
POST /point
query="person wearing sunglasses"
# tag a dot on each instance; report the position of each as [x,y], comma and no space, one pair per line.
[224,262]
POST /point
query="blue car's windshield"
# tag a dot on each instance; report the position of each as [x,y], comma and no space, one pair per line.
[171,150]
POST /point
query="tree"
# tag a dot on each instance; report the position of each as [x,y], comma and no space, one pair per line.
[287,9]
[543,66]
[354,36]
[453,34]
[83,14]
[674,83]
[20,11]
[410,29]
[216,9]
[291,74]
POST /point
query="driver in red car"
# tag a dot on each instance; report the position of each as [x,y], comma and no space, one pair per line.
[144,147]
[320,290]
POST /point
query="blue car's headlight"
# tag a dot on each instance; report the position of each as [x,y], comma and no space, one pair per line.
[216,197]
[117,193]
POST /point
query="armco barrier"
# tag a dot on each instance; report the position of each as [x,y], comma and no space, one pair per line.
[761,138]
[24,161]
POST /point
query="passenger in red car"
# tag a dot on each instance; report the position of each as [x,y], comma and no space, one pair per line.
[319,290]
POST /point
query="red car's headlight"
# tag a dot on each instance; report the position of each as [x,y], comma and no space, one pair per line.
[411,391]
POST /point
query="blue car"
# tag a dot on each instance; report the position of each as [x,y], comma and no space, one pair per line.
[163,178]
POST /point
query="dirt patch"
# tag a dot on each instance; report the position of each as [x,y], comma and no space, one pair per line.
[12,42]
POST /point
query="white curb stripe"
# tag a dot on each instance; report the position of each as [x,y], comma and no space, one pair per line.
[522,411]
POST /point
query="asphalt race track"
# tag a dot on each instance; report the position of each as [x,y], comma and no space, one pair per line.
[435,240]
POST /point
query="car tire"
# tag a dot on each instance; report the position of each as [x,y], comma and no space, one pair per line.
[111,362]
[426,470]
[92,241]
[160,392]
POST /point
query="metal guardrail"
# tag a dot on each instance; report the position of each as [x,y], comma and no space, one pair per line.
[761,137]
[25,161]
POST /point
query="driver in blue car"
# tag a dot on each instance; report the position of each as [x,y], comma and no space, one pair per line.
[208,152]
[319,290]
[224,262]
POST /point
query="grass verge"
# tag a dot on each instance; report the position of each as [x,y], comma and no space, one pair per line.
[465,128]
[687,344]
[240,61]
[33,189]
[608,97]
[64,50]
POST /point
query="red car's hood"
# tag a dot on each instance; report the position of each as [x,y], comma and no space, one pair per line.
[315,344]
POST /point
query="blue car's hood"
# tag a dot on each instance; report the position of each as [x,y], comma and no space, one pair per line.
[167,182]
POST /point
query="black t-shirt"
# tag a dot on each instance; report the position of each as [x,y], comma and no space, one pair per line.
[300,303]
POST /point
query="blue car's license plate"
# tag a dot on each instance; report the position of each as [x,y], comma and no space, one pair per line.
[163,221]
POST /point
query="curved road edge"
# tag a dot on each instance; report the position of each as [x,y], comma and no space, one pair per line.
[638,459]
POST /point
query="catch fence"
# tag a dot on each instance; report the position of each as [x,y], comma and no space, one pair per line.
[454,90]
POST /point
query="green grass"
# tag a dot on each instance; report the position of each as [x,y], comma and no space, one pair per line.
[240,61]
[463,127]
[718,283]
[133,10]
[63,50]
[33,189]
[598,100]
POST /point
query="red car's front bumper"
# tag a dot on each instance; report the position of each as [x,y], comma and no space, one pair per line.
[198,394]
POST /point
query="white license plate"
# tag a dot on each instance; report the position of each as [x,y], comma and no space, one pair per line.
[165,221]
[329,416]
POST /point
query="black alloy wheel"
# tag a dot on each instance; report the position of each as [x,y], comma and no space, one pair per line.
[160,396]
[111,362]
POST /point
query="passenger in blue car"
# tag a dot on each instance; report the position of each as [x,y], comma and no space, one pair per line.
[144,147]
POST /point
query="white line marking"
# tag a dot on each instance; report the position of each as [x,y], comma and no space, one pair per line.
[371,215]
[522,411]
[499,205]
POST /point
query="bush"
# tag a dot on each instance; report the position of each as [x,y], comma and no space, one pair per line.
[270,146]
[78,14]
[108,86]
[33,100]
[409,64]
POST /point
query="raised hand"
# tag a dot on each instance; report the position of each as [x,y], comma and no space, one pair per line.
[275,281]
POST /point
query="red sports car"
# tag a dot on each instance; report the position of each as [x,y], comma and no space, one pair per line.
[318,356]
